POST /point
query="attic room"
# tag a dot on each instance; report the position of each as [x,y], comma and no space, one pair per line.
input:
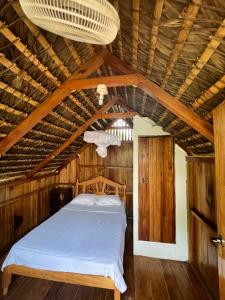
[112,149]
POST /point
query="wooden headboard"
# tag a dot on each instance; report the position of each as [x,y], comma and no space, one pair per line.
[101,186]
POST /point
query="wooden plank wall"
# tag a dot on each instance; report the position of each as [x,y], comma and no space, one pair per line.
[156,189]
[118,166]
[28,200]
[202,221]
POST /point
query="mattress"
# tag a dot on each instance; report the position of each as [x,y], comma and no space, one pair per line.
[80,239]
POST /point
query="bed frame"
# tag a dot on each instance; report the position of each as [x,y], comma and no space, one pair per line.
[99,185]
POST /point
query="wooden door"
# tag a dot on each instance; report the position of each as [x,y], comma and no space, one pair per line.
[156,189]
[219,136]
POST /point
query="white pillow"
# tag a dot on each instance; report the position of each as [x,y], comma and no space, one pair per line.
[108,200]
[84,199]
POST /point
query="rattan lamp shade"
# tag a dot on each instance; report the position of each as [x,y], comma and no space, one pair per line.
[89,21]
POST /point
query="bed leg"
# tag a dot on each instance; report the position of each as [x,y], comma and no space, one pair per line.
[6,280]
[117,295]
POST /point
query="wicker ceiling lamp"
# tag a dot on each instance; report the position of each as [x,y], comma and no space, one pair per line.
[88,21]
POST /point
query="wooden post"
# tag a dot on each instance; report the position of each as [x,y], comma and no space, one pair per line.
[117,295]
[6,280]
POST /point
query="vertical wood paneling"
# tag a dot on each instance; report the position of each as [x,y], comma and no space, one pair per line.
[118,166]
[156,189]
[16,200]
[202,253]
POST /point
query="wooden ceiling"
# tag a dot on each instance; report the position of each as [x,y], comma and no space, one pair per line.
[178,46]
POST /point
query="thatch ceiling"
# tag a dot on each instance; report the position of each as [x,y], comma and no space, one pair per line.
[179,45]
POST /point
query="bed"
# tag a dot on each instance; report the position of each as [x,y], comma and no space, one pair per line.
[80,244]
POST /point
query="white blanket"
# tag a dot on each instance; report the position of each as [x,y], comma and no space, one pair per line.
[80,239]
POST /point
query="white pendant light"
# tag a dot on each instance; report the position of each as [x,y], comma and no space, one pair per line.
[102,91]
[88,21]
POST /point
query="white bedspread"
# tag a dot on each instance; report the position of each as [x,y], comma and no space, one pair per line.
[80,239]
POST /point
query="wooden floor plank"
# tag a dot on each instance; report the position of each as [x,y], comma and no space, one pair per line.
[146,279]
[198,289]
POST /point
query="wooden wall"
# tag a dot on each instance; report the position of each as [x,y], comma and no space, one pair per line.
[202,221]
[29,200]
[23,205]
[118,166]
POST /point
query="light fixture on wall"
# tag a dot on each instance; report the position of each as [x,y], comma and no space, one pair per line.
[102,91]
[102,139]
[89,21]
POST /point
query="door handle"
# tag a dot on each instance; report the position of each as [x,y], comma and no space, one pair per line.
[218,241]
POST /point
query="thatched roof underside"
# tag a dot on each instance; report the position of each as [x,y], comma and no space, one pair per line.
[167,41]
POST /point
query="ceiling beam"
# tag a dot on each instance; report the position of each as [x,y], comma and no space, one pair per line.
[116,115]
[189,19]
[50,103]
[119,35]
[50,51]
[124,105]
[154,34]
[73,137]
[178,109]
[154,91]
[24,76]
[109,81]
[12,38]
[153,42]
[165,99]
[203,59]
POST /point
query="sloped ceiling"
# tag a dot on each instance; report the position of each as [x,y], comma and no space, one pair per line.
[179,45]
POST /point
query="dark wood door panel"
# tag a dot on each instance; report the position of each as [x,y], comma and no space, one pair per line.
[156,189]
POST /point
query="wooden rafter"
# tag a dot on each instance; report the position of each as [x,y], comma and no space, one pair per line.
[119,35]
[143,103]
[154,34]
[153,42]
[122,103]
[201,62]
[183,130]
[178,108]
[189,19]
[73,137]
[213,90]
[135,31]
[8,34]
[120,43]
[191,138]
[203,59]
[201,145]
[109,81]
[115,115]
[165,99]
[24,98]
[49,104]
[73,51]
[154,91]
[49,50]
[24,76]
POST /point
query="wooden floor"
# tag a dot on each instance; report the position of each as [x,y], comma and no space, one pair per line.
[146,278]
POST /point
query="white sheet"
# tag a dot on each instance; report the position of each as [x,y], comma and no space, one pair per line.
[80,239]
